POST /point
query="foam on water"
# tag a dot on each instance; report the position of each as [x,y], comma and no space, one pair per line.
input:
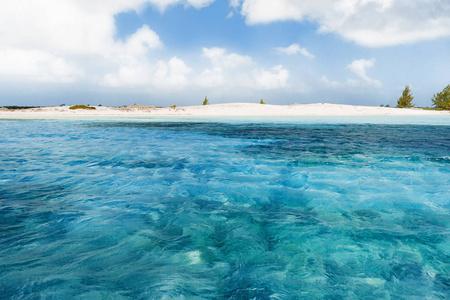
[224,210]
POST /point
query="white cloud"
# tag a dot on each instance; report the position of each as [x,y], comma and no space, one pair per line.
[330,83]
[131,74]
[73,41]
[294,49]
[359,67]
[267,11]
[235,71]
[276,78]
[372,23]
[63,26]
[172,74]
[199,3]
[164,4]
[137,73]
[211,78]
[74,27]
[220,58]
[235,3]
[57,40]
[141,41]
[35,65]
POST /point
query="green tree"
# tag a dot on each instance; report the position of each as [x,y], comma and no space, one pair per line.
[206,101]
[442,99]
[406,99]
[262,102]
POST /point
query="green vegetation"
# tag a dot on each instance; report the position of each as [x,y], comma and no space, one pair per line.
[262,102]
[206,101]
[174,106]
[81,107]
[442,99]
[19,107]
[406,99]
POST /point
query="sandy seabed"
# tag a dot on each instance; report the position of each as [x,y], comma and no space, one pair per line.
[218,110]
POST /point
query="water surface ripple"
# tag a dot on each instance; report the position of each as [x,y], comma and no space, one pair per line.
[223,210]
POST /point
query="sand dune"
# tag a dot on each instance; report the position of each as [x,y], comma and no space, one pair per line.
[219,110]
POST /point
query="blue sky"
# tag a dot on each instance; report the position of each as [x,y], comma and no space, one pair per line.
[179,51]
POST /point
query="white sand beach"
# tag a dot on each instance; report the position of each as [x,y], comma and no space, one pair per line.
[218,110]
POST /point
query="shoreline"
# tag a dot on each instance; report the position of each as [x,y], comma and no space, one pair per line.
[217,110]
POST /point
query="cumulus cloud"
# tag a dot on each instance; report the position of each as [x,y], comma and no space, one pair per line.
[294,49]
[228,69]
[239,71]
[359,67]
[330,83]
[235,3]
[164,4]
[141,41]
[131,73]
[220,58]
[162,75]
[211,78]
[275,78]
[172,74]
[35,65]
[52,41]
[67,26]
[74,41]
[372,23]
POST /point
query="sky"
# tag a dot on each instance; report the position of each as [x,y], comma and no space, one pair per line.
[165,52]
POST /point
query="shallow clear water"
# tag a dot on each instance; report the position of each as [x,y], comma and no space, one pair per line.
[224,210]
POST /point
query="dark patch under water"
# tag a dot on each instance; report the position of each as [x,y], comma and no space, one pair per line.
[204,210]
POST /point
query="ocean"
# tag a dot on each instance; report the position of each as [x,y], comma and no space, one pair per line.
[227,208]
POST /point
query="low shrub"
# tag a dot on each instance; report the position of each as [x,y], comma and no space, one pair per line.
[80,106]
[19,107]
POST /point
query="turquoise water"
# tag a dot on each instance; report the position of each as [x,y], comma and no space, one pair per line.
[225,209]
